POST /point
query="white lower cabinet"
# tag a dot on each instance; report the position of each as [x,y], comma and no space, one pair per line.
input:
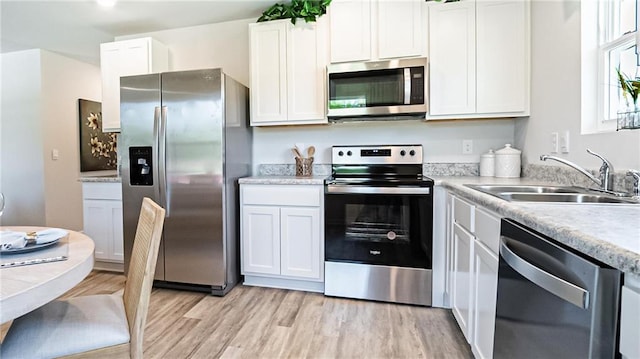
[102,215]
[462,279]
[282,236]
[485,276]
[473,272]
[629,317]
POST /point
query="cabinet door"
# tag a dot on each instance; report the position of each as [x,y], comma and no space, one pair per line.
[268,88]
[484,303]
[452,54]
[300,242]
[400,28]
[307,59]
[117,234]
[502,56]
[97,219]
[350,30]
[117,59]
[462,279]
[260,240]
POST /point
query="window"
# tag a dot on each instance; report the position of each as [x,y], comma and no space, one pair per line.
[608,42]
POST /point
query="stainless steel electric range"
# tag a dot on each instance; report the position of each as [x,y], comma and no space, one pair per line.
[378,224]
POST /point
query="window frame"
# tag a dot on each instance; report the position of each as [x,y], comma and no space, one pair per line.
[598,77]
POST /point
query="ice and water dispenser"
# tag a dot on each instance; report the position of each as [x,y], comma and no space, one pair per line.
[141,166]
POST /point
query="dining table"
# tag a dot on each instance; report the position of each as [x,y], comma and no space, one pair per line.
[24,288]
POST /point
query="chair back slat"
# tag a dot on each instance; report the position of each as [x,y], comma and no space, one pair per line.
[142,268]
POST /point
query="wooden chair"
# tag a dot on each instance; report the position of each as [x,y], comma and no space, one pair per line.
[101,326]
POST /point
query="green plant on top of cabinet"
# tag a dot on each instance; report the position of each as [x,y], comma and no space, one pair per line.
[287,72]
[308,10]
[126,58]
[479,59]
[363,30]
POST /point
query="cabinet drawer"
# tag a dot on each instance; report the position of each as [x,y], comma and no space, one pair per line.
[463,214]
[487,229]
[282,195]
[99,190]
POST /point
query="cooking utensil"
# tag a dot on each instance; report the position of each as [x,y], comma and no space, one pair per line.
[296,152]
[310,151]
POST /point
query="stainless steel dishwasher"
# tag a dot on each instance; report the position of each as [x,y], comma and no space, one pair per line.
[553,302]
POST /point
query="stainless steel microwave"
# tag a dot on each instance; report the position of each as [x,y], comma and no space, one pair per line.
[377,89]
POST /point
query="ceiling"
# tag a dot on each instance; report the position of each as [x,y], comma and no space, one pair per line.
[75,28]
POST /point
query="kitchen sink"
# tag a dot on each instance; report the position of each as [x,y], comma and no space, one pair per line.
[564,197]
[526,189]
[553,194]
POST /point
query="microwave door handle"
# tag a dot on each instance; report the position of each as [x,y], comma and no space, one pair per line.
[407,86]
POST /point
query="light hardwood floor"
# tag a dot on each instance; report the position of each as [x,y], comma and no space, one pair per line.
[254,322]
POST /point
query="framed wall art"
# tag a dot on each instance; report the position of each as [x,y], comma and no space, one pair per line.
[98,150]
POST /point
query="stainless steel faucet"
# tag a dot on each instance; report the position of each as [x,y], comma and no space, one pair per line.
[636,182]
[605,182]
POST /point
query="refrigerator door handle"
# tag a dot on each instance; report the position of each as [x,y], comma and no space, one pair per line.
[162,158]
[569,292]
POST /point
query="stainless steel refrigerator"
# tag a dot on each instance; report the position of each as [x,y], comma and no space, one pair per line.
[184,142]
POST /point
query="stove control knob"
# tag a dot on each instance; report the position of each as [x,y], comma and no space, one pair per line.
[349,153]
[403,152]
[412,153]
[340,153]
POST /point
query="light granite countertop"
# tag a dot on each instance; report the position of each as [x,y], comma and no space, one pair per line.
[283,180]
[108,178]
[609,233]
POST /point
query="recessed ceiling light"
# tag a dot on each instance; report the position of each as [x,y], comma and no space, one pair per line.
[106,3]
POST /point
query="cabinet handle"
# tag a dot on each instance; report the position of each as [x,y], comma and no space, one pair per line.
[569,292]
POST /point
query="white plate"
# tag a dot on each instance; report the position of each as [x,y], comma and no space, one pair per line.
[28,248]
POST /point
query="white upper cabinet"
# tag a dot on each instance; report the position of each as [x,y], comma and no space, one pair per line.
[350,30]
[502,57]
[126,58]
[479,59]
[452,53]
[287,72]
[364,30]
[400,28]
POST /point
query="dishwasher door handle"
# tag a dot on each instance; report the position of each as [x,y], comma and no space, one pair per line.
[569,292]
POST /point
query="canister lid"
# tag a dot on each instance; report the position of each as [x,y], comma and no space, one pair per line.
[489,154]
[508,150]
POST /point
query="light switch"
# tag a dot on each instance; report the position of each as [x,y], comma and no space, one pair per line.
[564,142]
[55,154]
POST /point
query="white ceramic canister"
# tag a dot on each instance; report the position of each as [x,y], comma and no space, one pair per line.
[508,162]
[488,164]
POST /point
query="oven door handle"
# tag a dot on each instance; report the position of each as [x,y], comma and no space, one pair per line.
[568,291]
[351,189]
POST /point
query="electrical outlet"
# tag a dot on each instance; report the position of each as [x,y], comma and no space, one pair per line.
[564,142]
[467,147]
[554,142]
[55,154]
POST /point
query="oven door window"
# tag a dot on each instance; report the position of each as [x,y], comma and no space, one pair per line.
[379,229]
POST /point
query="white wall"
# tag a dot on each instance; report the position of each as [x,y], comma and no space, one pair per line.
[21,142]
[40,92]
[442,141]
[64,81]
[555,94]
[226,45]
